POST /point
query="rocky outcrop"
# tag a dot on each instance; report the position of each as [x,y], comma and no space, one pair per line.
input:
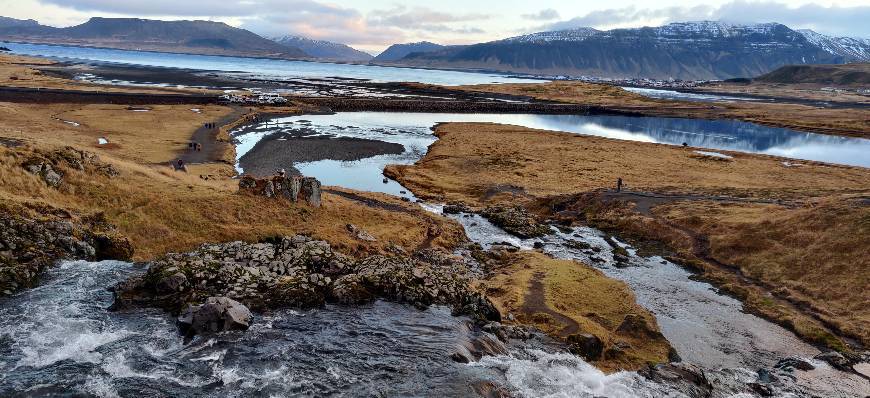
[50,165]
[516,221]
[293,188]
[30,243]
[217,314]
[300,272]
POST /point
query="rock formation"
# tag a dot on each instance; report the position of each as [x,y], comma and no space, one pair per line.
[217,314]
[293,188]
[300,272]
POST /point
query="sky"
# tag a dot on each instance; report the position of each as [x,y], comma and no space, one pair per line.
[372,25]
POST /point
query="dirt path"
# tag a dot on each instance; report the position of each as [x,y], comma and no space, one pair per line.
[535,302]
[212,149]
[645,201]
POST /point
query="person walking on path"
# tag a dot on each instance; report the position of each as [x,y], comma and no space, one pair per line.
[619,184]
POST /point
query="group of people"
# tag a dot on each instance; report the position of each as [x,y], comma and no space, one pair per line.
[211,125]
[194,146]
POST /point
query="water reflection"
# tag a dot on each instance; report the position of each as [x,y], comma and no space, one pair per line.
[414,132]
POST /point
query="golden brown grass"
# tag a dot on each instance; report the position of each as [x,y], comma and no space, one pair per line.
[811,255]
[473,160]
[816,255]
[156,136]
[840,121]
[161,210]
[595,302]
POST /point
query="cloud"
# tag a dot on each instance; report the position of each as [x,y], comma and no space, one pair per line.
[548,14]
[834,20]
[426,20]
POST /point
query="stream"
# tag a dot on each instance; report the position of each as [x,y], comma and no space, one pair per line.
[59,340]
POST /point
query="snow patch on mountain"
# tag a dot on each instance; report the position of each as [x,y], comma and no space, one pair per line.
[852,48]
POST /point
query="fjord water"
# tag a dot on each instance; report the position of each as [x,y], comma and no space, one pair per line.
[260,67]
[414,132]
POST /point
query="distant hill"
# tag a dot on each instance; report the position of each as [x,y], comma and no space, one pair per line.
[704,50]
[197,37]
[324,49]
[6,22]
[399,51]
[854,74]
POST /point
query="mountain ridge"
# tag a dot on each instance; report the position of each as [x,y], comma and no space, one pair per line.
[195,37]
[702,50]
[323,49]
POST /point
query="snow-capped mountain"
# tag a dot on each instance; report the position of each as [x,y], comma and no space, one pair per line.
[324,49]
[684,50]
[578,34]
[852,48]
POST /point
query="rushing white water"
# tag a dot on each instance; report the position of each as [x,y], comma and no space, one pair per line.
[705,327]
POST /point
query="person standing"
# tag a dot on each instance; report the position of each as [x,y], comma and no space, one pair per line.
[619,184]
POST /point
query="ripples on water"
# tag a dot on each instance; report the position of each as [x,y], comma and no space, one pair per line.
[59,339]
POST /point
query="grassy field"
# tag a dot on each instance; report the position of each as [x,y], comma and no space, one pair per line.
[836,121]
[794,248]
[161,210]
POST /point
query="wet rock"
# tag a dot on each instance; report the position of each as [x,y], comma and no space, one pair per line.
[113,247]
[790,364]
[516,221]
[351,289]
[488,389]
[456,208]
[586,345]
[303,273]
[217,314]
[31,243]
[172,283]
[688,379]
[835,359]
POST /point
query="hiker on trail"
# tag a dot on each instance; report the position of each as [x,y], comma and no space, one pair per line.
[198,147]
[619,184]
[179,166]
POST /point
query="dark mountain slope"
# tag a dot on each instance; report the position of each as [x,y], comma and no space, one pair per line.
[699,50]
[324,49]
[199,37]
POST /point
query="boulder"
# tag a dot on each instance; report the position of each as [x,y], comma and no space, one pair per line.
[686,378]
[792,363]
[112,247]
[636,326]
[586,345]
[217,314]
[515,221]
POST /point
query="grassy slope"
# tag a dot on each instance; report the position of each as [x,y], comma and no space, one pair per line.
[161,210]
[812,255]
[583,294]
